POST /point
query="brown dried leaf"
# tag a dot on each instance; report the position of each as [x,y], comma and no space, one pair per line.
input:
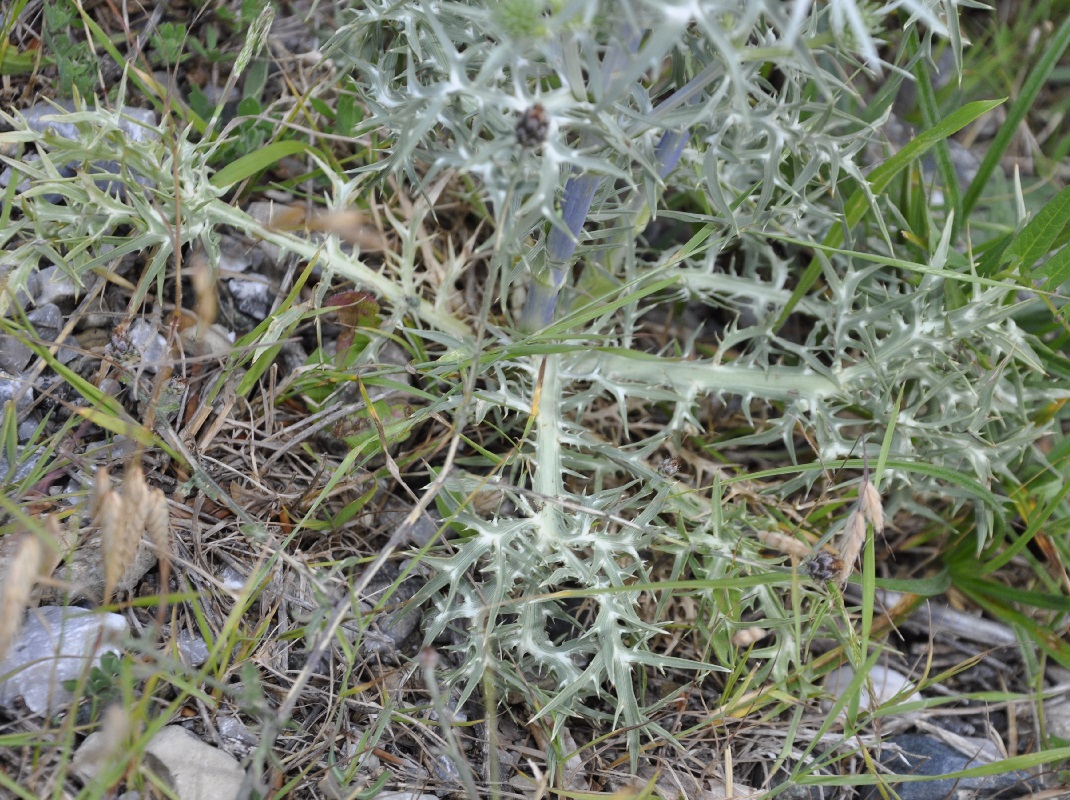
[350,225]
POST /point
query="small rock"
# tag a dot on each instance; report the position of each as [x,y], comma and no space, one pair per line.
[396,622]
[54,286]
[914,754]
[56,644]
[47,320]
[237,254]
[137,124]
[15,388]
[41,117]
[192,649]
[14,355]
[236,738]
[886,684]
[152,346]
[193,769]
[25,465]
[252,298]
[232,580]
[27,286]
[1057,716]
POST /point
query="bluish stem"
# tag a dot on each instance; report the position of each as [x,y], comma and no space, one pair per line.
[541,305]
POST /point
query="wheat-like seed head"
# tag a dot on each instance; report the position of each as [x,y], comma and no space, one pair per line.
[115,549]
[17,587]
[135,503]
[748,636]
[101,487]
[869,501]
[158,522]
[788,545]
[854,536]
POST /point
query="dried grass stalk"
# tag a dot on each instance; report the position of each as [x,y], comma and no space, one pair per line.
[854,536]
[19,579]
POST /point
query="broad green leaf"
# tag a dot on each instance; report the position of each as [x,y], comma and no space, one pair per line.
[1039,236]
[256,162]
[1056,269]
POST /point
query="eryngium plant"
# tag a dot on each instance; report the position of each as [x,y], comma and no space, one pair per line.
[572,119]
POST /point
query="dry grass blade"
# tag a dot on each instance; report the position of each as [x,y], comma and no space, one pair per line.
[17,587]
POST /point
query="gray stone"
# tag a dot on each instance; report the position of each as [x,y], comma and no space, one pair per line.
[193,769]
[24,466]
[1057,716]
[192,649]
[914,754]
[144,336]
[54,286]
[231,727]
[885,684]
[47,320]
[253,298]
[56,644]
[15,388]
[14,355]
[234,254]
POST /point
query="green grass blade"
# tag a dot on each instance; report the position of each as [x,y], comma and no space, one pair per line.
[257,161]
[1016,113]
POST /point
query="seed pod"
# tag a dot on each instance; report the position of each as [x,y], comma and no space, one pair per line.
[532,127]
[824,567]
